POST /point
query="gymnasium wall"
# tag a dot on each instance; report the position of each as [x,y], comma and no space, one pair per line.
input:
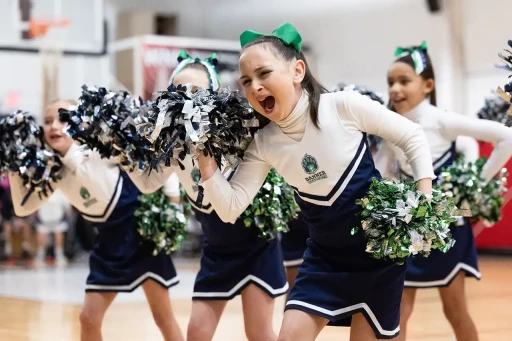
[350,40]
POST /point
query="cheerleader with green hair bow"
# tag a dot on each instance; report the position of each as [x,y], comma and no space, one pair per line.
[235,259]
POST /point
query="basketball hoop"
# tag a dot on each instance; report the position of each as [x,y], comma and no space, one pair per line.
[50,50]
[38,28]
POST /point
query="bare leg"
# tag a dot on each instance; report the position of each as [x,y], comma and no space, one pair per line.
[406,307]
[7,227]
[360,329]
[160,304]
[91,318]
[258,310]
[291,274]
[204,319]
[300,326]
[456,310]
[42,239]
[60,259]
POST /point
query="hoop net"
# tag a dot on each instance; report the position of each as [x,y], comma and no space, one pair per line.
[50,36]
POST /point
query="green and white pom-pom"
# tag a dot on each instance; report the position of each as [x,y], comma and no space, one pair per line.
[465,184]
[273,207]
[161,222]
[398,220]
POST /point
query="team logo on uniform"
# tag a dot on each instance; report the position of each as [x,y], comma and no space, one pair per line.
[310,166]
[84,193]
[196,176]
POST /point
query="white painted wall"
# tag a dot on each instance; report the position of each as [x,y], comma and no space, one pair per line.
[351,41]
[354,40]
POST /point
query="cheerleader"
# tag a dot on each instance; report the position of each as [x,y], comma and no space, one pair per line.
[234,260]
[324,155]
[121,260]
[388,166]
[412,95]
[52,217]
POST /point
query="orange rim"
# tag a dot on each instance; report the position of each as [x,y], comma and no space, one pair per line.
[39,27]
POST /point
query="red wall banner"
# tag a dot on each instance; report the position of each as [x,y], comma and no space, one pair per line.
[499,236]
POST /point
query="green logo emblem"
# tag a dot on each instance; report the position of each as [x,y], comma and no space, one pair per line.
[309,164]
[196,175]
[84,193]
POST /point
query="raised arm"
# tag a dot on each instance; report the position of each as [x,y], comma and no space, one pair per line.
[149,183]
[18,192]
[454,125]
[230,199]
[364,114]
[467,146]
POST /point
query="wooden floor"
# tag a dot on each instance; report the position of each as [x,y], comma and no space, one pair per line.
[490,302]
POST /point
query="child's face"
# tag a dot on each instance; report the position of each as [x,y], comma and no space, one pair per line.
[406,88]
[272,86]
[192,76]
[52,127]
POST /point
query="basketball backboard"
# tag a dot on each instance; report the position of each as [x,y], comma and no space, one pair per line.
[85,33]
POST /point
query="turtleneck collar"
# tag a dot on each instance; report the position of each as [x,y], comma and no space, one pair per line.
[295,124]
[415,113]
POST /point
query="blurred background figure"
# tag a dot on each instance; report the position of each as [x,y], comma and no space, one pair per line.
[52,218]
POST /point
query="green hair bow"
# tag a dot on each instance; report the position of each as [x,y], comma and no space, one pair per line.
[210,64]
[417,54]
[286,32]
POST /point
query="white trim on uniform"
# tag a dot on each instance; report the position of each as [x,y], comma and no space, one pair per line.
[135,283]
[240,284]
[442,161]
[293,262]
[445,281]
[346,310]
[111,205]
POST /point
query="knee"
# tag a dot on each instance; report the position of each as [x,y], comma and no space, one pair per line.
[284,338]
[89,320]
[454,312]
[197,330]
[259,334]
[162,319]
[406,309]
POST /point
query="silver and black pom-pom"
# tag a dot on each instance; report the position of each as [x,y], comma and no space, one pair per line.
[496,109]
[24,152]
[105,121]
[187,120]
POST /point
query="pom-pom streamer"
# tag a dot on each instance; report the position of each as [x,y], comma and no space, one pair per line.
[187,120]
[398,220]
[273,207]
[161,222]
[495,109]
[105,121]
[464,183]
[25,153]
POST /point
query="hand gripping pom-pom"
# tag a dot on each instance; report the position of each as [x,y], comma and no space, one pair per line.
[24,153]
[373,140]
[105,121]
[273,207]
[161,222]
[398,220]
[464,183]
